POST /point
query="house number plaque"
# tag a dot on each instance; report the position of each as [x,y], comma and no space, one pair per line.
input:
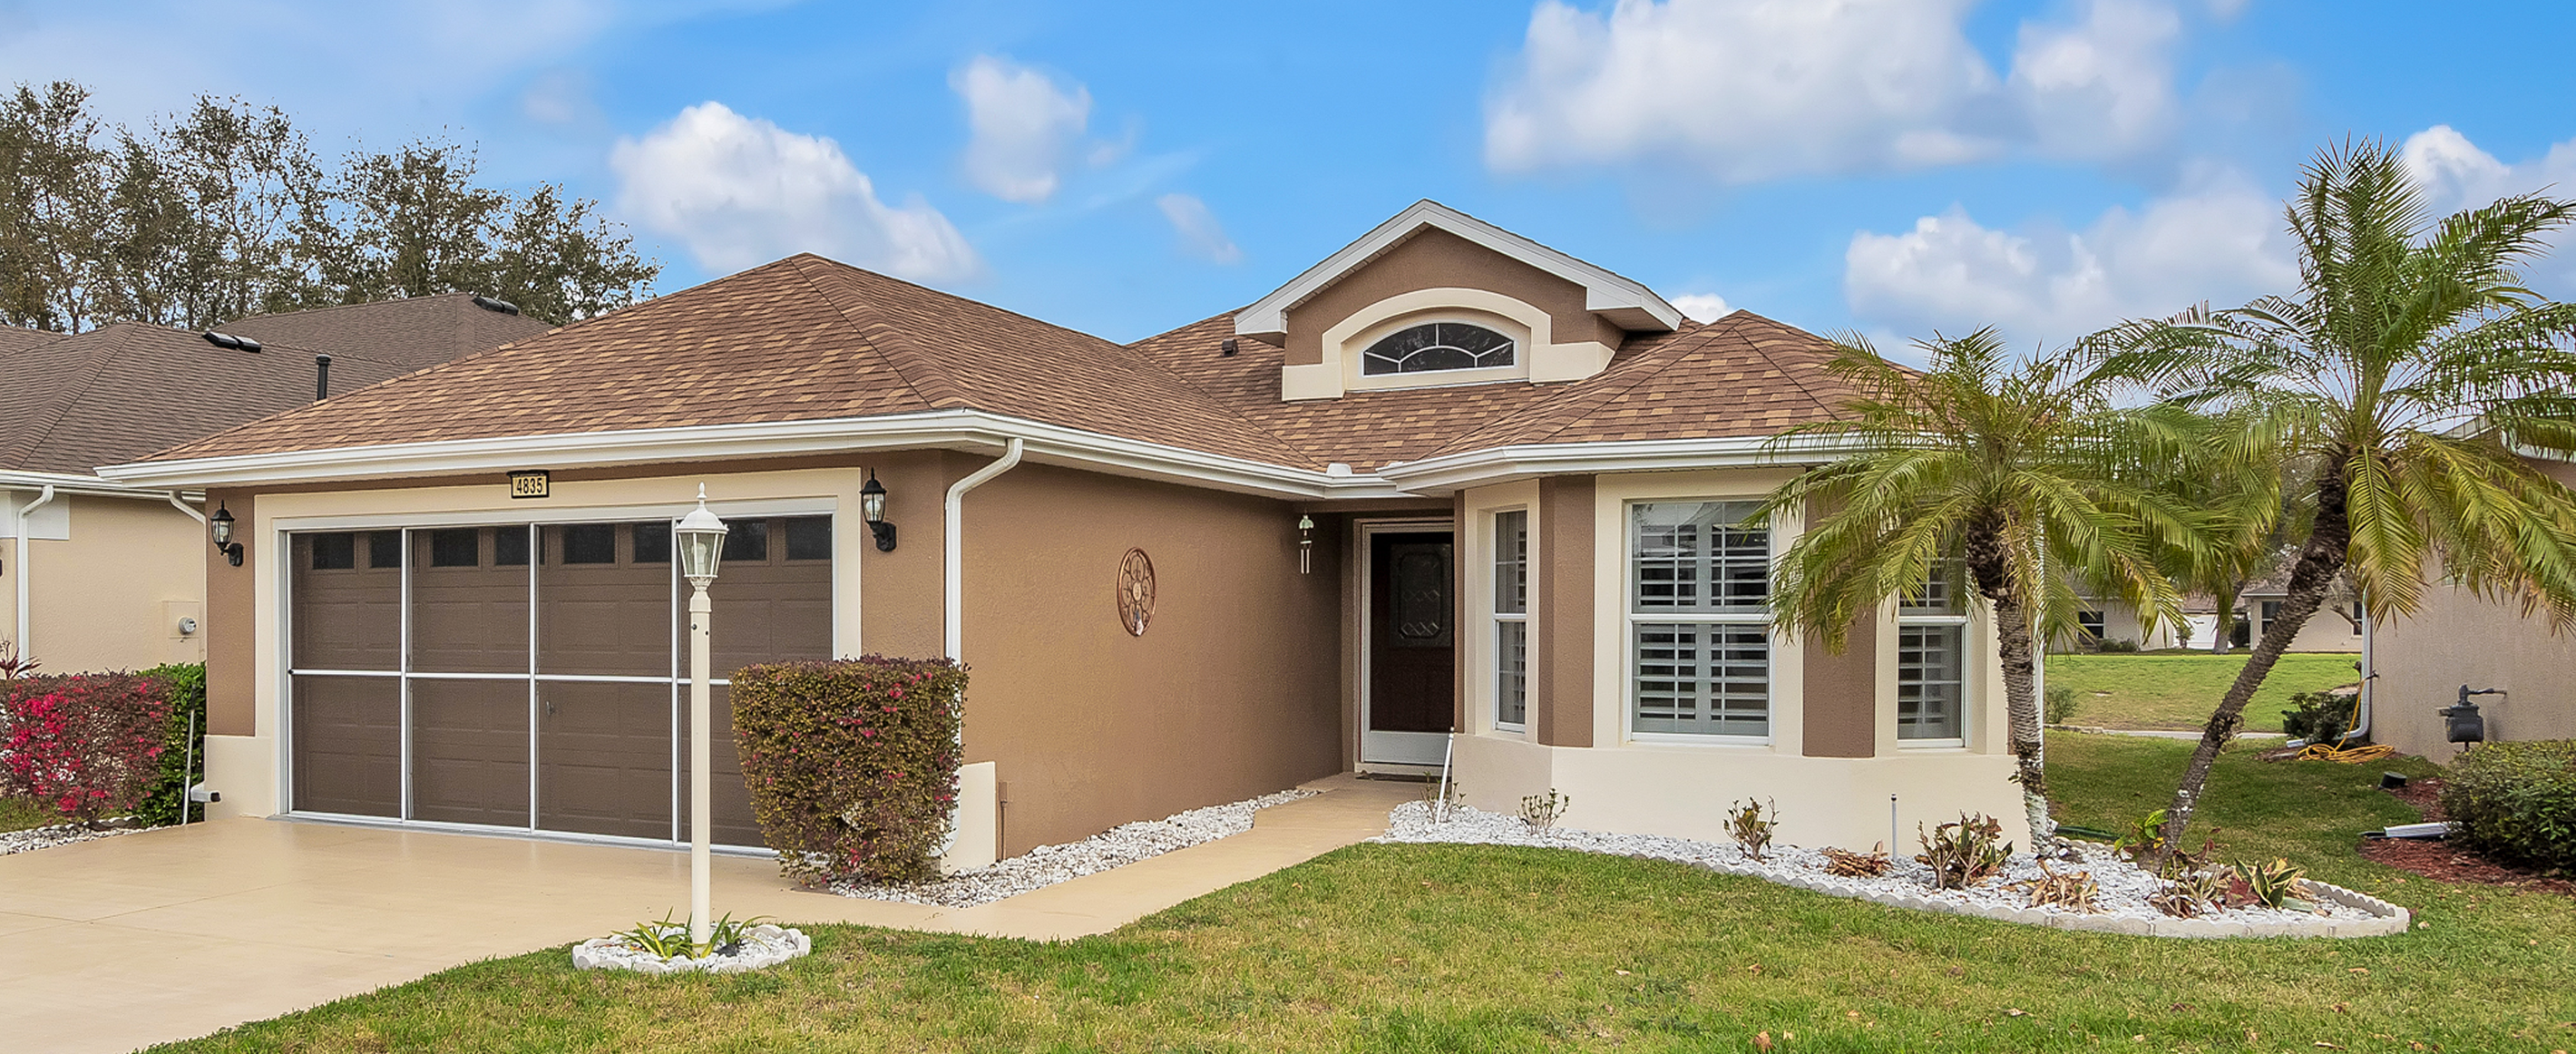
[1135,592]
[529,484]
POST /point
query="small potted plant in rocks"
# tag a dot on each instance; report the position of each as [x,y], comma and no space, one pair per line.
[663,947]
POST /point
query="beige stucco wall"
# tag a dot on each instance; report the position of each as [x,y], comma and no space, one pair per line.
[111,595]
[2455,639]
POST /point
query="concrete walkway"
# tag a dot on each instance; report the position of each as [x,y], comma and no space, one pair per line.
[122,942]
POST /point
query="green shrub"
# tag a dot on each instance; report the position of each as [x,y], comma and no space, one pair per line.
[183,763]
[2517,801]
[852,764]
[2319,717]
[2060,705]
[2117,646]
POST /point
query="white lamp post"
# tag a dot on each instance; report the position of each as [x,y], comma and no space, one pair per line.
[701,538]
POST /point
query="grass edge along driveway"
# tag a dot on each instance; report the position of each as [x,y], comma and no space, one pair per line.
[1441,948]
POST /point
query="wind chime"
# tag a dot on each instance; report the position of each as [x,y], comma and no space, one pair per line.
[1305,545]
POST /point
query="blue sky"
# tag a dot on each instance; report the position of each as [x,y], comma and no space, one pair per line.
[1887,166]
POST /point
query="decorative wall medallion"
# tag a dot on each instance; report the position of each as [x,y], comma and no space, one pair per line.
[1135,592]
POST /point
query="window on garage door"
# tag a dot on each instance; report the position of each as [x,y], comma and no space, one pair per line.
[529,676]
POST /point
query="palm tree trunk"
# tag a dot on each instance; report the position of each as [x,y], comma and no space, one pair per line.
[1992,571]
[2023,720]
[2328,546]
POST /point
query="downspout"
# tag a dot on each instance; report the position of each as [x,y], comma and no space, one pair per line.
[953,540]
[182,505]
[2369,678]
[24,613]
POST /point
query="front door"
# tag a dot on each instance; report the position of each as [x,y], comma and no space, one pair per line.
[1411,645]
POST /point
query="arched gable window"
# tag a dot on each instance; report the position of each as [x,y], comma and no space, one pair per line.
[1437,346]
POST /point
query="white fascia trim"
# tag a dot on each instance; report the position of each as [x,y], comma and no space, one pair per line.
[970,430]
[1436,476]
[1603,291]
[87,486]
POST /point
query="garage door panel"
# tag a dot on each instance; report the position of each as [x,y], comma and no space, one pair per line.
[606,607]
[469,611]
[604,757]
[347,745]
[347,611]
[728,797]
[469,751]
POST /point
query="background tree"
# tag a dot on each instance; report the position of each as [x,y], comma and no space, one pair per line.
[2405,381]
[224,211]
[2023,478]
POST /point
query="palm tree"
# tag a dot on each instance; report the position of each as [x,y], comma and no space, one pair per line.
[2021,475]
[2403,387]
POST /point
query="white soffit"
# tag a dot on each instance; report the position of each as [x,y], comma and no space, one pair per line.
[1625,302]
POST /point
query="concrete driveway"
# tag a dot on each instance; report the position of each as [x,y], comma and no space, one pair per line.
[122,942]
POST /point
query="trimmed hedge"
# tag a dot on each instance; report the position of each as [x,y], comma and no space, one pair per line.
[852,764]
[2516,801]
[183,763]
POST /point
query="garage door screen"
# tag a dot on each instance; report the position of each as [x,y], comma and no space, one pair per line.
[531,676]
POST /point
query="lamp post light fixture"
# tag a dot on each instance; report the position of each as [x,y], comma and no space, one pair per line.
[872,508]
[221,523]
[701,536]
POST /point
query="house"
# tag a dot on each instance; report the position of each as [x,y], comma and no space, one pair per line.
[2458,639]
[101,575]
[1446,478]
[2336,627]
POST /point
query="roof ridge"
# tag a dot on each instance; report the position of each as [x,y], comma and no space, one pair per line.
[1758,349]
[888,341]
[345,307]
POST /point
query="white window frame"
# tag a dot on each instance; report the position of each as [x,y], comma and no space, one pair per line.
[1951,612]
[1497,618]
[1630,619]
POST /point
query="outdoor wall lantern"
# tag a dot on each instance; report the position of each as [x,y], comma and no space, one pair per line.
[872,508]
[221,523]
[701,537]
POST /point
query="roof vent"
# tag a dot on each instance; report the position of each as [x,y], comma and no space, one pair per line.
[227,340]
[1226,348]
[489,304]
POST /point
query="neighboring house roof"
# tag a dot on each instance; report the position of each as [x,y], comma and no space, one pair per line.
[19,338]
[417,332]
[121,391]
[1625,301]
[114,394]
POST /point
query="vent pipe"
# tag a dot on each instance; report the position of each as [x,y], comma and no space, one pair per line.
[321,377]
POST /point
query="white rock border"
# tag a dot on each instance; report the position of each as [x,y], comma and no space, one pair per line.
[2351,914]
[763,946]
[33,838]
[1047,865]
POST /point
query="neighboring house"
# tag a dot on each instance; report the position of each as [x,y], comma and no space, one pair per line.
[2337,626]
[100,575]
[2458,638]
[1446,478]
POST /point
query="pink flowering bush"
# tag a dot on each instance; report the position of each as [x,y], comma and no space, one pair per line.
[852,765]
[89,745]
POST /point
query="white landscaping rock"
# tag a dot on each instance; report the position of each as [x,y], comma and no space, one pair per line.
[762,946]
[35,838]
[2121,898]
[1047,865]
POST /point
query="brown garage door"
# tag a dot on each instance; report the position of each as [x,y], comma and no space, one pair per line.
[537,683]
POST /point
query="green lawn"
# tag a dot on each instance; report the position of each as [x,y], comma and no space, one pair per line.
[18,814]
[2178,690]
[1438,948]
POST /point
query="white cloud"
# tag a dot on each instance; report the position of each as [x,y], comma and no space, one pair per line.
[2457,174]
[1023,125]
[741,191]
[1702,307]
[1748,90]
[1201,235]
[2219,241]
